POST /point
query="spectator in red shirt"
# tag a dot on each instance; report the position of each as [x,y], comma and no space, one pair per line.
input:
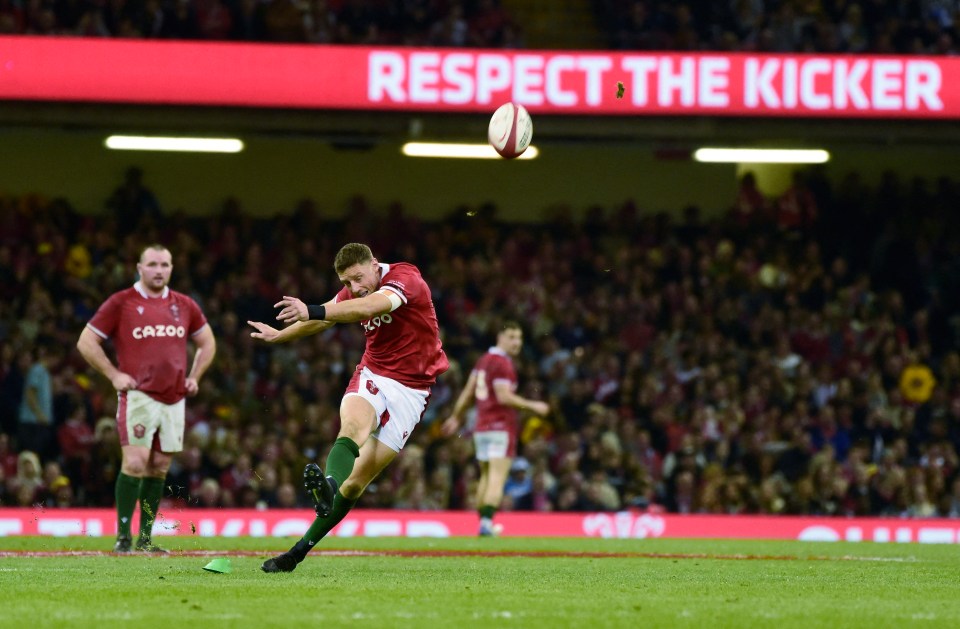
[76,439]
[8,458]
[796,207]
[750,208]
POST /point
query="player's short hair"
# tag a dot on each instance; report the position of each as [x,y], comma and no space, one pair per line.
[155,246]
[509,324]
[350,254]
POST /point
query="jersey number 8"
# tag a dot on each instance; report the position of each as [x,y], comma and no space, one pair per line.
[482,391]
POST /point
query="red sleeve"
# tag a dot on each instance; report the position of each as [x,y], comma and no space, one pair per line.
[107,317]
[405,281]
[343,295]
[197,319]
[500,369]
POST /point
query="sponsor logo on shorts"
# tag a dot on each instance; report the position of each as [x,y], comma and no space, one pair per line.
[139,431]
[372,388]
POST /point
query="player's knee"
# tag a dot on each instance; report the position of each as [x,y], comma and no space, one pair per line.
[157,465]
[156,471]
[493,497]
[135,467]
[351,489]
[356,429]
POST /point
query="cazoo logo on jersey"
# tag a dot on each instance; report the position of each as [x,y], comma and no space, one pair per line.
[370,325]
[151,331]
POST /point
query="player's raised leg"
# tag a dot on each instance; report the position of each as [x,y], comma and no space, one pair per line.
[358,418]
[374,457]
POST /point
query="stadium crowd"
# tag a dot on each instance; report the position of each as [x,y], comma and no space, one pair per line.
[795,355]
[822,26]
[482,23]
[809,26]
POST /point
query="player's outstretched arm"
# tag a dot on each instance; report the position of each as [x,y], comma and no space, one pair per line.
[508,398]
[298,330]
[293,310]
[361,309]
[452,424]
[349,311]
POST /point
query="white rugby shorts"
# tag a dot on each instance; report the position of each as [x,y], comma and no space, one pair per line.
[493,444]
[399,408]
[143,421]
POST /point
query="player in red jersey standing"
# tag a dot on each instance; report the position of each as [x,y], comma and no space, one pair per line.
[389,390]
[149,325]
[493,384]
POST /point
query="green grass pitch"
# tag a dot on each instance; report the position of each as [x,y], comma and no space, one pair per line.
[466,582]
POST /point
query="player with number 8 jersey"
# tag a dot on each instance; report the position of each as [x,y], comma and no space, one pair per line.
[493,384]
[495,368]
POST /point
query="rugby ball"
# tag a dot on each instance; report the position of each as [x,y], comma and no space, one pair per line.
[510,130]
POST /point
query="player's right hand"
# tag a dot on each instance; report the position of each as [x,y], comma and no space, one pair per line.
[450,427]
[123,382]
[293,310]
[539,408]
[264,332]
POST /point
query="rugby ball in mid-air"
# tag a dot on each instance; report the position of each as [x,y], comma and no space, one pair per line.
[510,130]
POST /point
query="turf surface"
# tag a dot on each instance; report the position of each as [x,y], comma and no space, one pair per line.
[465,582]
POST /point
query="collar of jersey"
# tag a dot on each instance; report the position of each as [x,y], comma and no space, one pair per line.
[498,351]
[138,286]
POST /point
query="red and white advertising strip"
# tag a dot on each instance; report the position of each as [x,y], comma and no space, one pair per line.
[467,80]
[373,523]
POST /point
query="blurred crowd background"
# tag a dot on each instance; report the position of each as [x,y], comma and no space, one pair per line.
[795,355]
[823,26]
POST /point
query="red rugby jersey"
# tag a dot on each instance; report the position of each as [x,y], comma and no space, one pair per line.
[404,344]
[150,337]
[494,366]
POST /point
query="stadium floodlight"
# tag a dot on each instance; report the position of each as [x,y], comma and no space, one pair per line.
[761,156]
[459,151]
[161,143]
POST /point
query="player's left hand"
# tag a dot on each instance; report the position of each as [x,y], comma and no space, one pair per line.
[192,387]
[293,310]
[264,332]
